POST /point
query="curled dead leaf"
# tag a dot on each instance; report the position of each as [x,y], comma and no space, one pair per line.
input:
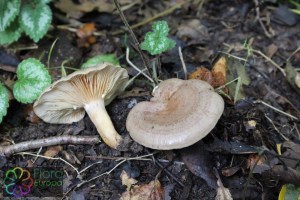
[53,151]
[216,77]
[126,180]
[150,191]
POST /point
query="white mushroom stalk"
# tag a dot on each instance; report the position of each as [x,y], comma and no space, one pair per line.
[99,116]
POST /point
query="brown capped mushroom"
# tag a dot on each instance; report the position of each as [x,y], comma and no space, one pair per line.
[181,113]
[88,90]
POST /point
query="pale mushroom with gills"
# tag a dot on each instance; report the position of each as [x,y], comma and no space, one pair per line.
[88,90]
[180,113]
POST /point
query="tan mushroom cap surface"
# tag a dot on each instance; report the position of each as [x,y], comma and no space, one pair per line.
[63,102]
[180,113]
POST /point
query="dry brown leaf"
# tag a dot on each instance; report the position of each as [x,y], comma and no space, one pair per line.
[53,151]
[150,191]
[126,180]
[202,73]
[86,30]
[219,72]
[223,193]
[193,31]
[74,9]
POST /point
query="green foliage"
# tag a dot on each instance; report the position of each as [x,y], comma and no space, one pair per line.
[8,11]
[3,101]
[33,78]
[157,41]
[33,17]
[110,58]
[35,20]
[11,34]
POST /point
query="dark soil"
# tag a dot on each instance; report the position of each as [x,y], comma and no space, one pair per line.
[224,25]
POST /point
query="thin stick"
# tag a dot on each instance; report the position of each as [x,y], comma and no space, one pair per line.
[298,49]
[276,129]
[148,20]
[276,109]
[183,63]
[270,60]
[135,67]
[50,158]
[51,141]
[135,41]
[109,171]
[8,68]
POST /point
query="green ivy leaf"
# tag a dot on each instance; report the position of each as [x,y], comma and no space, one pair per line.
[157,41]
[33,78]
[12,33]
[3,101]
[110,58]
[35,20]
[9,9]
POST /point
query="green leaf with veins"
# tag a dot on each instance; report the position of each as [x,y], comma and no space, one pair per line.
[110,58]
[157,41]
[35,20]
[11,34]
[3,101]
[9,9]
[33,78]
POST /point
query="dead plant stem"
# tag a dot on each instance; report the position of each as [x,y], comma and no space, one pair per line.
[51,141]
[135,41]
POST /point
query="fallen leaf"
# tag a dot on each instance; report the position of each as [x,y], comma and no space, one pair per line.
[223,193]
[199,162]
[216,77]
[86,30]
[219,72]
[271,50]
[126,180]
[192,31]
[292,77]
[85,35]
[75,9]
[236,71]
[202,73]
[53,151]
[150,191]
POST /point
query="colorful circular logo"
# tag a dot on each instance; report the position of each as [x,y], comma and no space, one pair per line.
[18,182]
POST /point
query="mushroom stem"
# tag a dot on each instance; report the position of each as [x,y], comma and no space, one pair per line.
[99,116]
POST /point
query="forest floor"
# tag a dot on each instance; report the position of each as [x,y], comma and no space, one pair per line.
[259,41]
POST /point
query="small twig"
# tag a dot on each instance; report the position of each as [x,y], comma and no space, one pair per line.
[270,60]
[51,141]
[276,109]
[148,20]
[165,170]
[276,129]
[298,49]
[135,67]
[111,170]
[261,54]
[135,41]
[50,158]
[258,18]
[8,68]
[183,63]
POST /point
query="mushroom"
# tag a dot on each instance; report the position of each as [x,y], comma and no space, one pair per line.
[88,90]
[181,113]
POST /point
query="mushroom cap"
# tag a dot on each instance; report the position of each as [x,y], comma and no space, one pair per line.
[181,113]
[63,102]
